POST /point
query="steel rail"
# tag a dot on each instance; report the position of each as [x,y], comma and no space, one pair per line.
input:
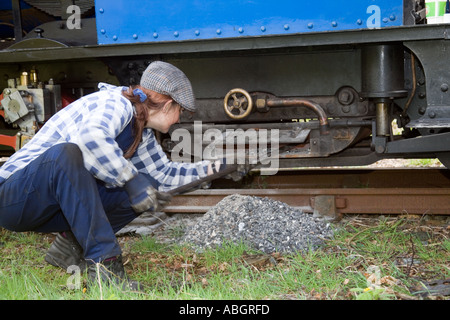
[405,192]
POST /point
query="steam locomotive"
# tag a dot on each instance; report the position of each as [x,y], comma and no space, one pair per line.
[344,83]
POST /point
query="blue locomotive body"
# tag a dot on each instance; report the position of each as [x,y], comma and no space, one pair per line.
[134,21]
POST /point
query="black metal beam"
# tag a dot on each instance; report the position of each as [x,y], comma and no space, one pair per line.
[424,144]
[294,41]
[17,19]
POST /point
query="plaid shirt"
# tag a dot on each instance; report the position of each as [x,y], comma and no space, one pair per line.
[93,122]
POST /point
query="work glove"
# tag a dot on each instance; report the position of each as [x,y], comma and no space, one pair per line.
[143,197]
[240,172]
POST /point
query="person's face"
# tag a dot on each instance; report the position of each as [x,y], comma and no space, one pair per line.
[165,117]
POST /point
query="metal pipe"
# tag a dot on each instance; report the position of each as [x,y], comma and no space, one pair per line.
[323,119]
[383,123]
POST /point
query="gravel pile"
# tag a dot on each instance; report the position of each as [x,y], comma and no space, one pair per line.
[263,224]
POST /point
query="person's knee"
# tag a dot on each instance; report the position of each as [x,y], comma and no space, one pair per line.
[67,153]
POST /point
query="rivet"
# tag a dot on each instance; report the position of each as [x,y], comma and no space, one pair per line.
[392,17]
[385,20]
[102,31]
[115,38]
[334,24]
[241,30]
[218,31]
[359,22]
[444,87]
[263,29]
[101,10]
[432,114]
[176,34]
[197,32]
[310,25]
[135,36]
[286,27]
[155,35]
[422,110]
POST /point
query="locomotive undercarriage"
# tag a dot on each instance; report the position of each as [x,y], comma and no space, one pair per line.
[333,99]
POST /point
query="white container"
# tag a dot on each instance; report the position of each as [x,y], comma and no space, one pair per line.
[435,11]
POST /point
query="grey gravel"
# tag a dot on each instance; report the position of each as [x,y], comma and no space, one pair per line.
[262,223]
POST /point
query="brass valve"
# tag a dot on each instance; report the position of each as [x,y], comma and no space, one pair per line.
[238,104]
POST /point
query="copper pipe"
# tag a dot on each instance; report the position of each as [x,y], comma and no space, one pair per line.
[323,119]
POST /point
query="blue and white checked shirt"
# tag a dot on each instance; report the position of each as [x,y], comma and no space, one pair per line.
[93,122]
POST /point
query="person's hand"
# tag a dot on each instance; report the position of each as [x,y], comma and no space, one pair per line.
[240,172]
[163,199]
[143,197]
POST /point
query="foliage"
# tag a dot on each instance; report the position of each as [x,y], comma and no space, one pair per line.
[369,258]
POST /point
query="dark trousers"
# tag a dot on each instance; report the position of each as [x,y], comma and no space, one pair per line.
[55,193]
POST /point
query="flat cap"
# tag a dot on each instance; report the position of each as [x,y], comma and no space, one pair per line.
[164,78]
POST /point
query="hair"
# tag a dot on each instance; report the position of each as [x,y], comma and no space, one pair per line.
[154,101]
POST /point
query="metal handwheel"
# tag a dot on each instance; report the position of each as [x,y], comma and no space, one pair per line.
[238,104]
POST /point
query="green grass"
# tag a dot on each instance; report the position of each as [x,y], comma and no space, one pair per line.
[424,163]
[367,259]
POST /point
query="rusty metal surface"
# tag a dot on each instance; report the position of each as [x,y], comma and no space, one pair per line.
[378,192]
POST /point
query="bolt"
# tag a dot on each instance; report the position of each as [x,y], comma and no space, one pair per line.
[444,87]
[422,110]
[345,109]
[346,97]
[39,32]
[260,103]
[379,149]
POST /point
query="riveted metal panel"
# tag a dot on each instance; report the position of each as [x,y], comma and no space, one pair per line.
[130,21]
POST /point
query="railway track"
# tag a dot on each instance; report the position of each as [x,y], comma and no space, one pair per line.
[332,192]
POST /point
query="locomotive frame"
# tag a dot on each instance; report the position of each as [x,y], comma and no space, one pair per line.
[341,89]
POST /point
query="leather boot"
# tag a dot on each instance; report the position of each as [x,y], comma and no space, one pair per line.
[65,251]
[112,272]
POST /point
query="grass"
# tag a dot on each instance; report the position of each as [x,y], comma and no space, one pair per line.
[369,258]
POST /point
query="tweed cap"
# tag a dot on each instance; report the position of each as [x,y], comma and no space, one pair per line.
[164,78]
